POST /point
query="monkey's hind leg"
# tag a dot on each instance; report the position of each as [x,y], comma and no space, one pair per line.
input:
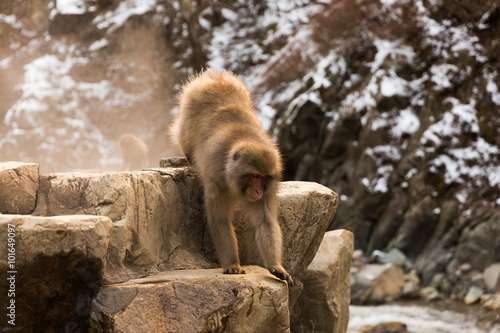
[223,235]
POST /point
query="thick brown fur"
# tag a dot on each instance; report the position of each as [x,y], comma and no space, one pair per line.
[237,162]
[134,152]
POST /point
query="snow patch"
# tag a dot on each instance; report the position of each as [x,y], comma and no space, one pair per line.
[11,20]
[99,44]
[383,156]
[441,74]
[447,40]
[71,7]
[492,87]
[393,48]
[393,85]
[478,161]
[462,118]
[405,123]
[127,8]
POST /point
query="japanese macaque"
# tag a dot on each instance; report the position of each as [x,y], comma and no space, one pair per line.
[134,152]
[237,163]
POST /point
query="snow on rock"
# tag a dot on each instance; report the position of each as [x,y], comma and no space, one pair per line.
[71,7]
[492,87]
[54,109]
[11,20]
[406,122]
[116,18]
[387,48]
[442,74]
[393,85]
[461,117]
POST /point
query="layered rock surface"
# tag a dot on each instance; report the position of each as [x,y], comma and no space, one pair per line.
[57,265]
[141,236]
[322,304]
[22,180]
[194,301]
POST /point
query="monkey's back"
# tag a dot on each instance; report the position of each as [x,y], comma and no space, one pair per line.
[134,151]
[215,111]
[132,147]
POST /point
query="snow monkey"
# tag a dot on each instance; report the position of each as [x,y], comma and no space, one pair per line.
[134,152]
[237,163]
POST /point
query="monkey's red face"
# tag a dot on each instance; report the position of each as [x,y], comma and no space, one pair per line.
[256,188]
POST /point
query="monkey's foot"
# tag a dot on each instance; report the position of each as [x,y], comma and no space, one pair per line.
[234,269]
[280,273]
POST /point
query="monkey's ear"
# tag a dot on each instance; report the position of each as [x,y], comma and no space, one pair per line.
[238,151]
[237,155]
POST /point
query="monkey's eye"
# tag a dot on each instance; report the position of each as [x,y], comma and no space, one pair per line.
[254,176]
[259,178]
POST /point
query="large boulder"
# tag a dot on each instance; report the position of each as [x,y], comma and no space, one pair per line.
[377,283]
[193,301]
[18,187]
[324,303]
[54,270]
[156,215]
[492,277]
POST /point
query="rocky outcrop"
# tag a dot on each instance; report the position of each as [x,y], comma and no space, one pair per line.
[19,183]
[114,250]
[194,301]
[155,213]
[323,306]
[55,268]
[157,216]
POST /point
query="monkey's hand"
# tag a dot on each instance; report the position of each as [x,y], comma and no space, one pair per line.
[234,269]
[280,273]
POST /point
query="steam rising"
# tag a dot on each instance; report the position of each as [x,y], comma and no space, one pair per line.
[76,97]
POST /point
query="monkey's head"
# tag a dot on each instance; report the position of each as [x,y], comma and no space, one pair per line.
[252,168]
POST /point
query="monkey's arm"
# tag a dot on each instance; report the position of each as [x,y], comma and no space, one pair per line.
[269,238]
[219,213]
